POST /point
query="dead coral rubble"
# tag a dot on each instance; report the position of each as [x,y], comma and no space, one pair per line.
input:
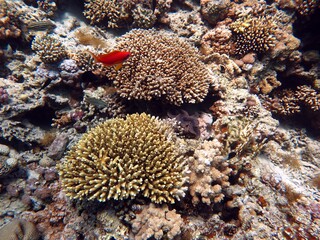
[122,158]
[161,67]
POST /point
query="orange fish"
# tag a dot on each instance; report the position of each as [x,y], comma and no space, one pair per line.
[115,58]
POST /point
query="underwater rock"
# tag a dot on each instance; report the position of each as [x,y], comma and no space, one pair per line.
[58,146]
[7,166]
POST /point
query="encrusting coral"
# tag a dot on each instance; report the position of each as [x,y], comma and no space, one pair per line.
[122,158]
[161,67]
[49,49]
[19,229]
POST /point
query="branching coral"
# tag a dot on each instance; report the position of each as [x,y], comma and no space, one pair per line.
[253,34]
[306,7]
[115,12]
[122,158]
[161,66]
[49,49]
[289,102]
[216,40]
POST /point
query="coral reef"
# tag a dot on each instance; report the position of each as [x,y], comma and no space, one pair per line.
[289,102]
[49,49]
[162,67]
[119,14]
[231,150]
[112,11]
[129,145]
[253,34]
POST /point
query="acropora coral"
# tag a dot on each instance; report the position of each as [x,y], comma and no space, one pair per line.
[253,34]
[123,158]
[161,67]
[49,49]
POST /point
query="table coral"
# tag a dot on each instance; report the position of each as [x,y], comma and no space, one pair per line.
[161,66]
[122,158]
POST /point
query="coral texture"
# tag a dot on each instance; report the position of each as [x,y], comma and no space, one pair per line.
[306,7]
[157,222]
[122,158]
[288,102]
[253,34]
[19,229]
[49,49]
[116,13]
[4,97]
[8,24]
[161,66]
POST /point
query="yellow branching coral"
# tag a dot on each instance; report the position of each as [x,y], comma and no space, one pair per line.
[162,67]
[253,34]
[123,158]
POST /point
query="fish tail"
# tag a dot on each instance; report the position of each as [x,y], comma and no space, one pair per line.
[92,55]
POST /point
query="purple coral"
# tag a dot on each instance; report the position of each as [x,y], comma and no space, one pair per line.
[4,96]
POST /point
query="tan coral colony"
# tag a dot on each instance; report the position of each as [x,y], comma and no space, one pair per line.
[122,158]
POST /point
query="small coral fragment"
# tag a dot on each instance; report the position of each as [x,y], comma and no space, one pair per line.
[49,49]
[122,158]
[253,34]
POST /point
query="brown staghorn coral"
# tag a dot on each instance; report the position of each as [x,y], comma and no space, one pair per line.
[157,222]
[289,102]
[253,34]
[161,66]
[49,49]
[122,158]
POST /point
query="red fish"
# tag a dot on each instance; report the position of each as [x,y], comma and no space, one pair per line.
[115,58]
